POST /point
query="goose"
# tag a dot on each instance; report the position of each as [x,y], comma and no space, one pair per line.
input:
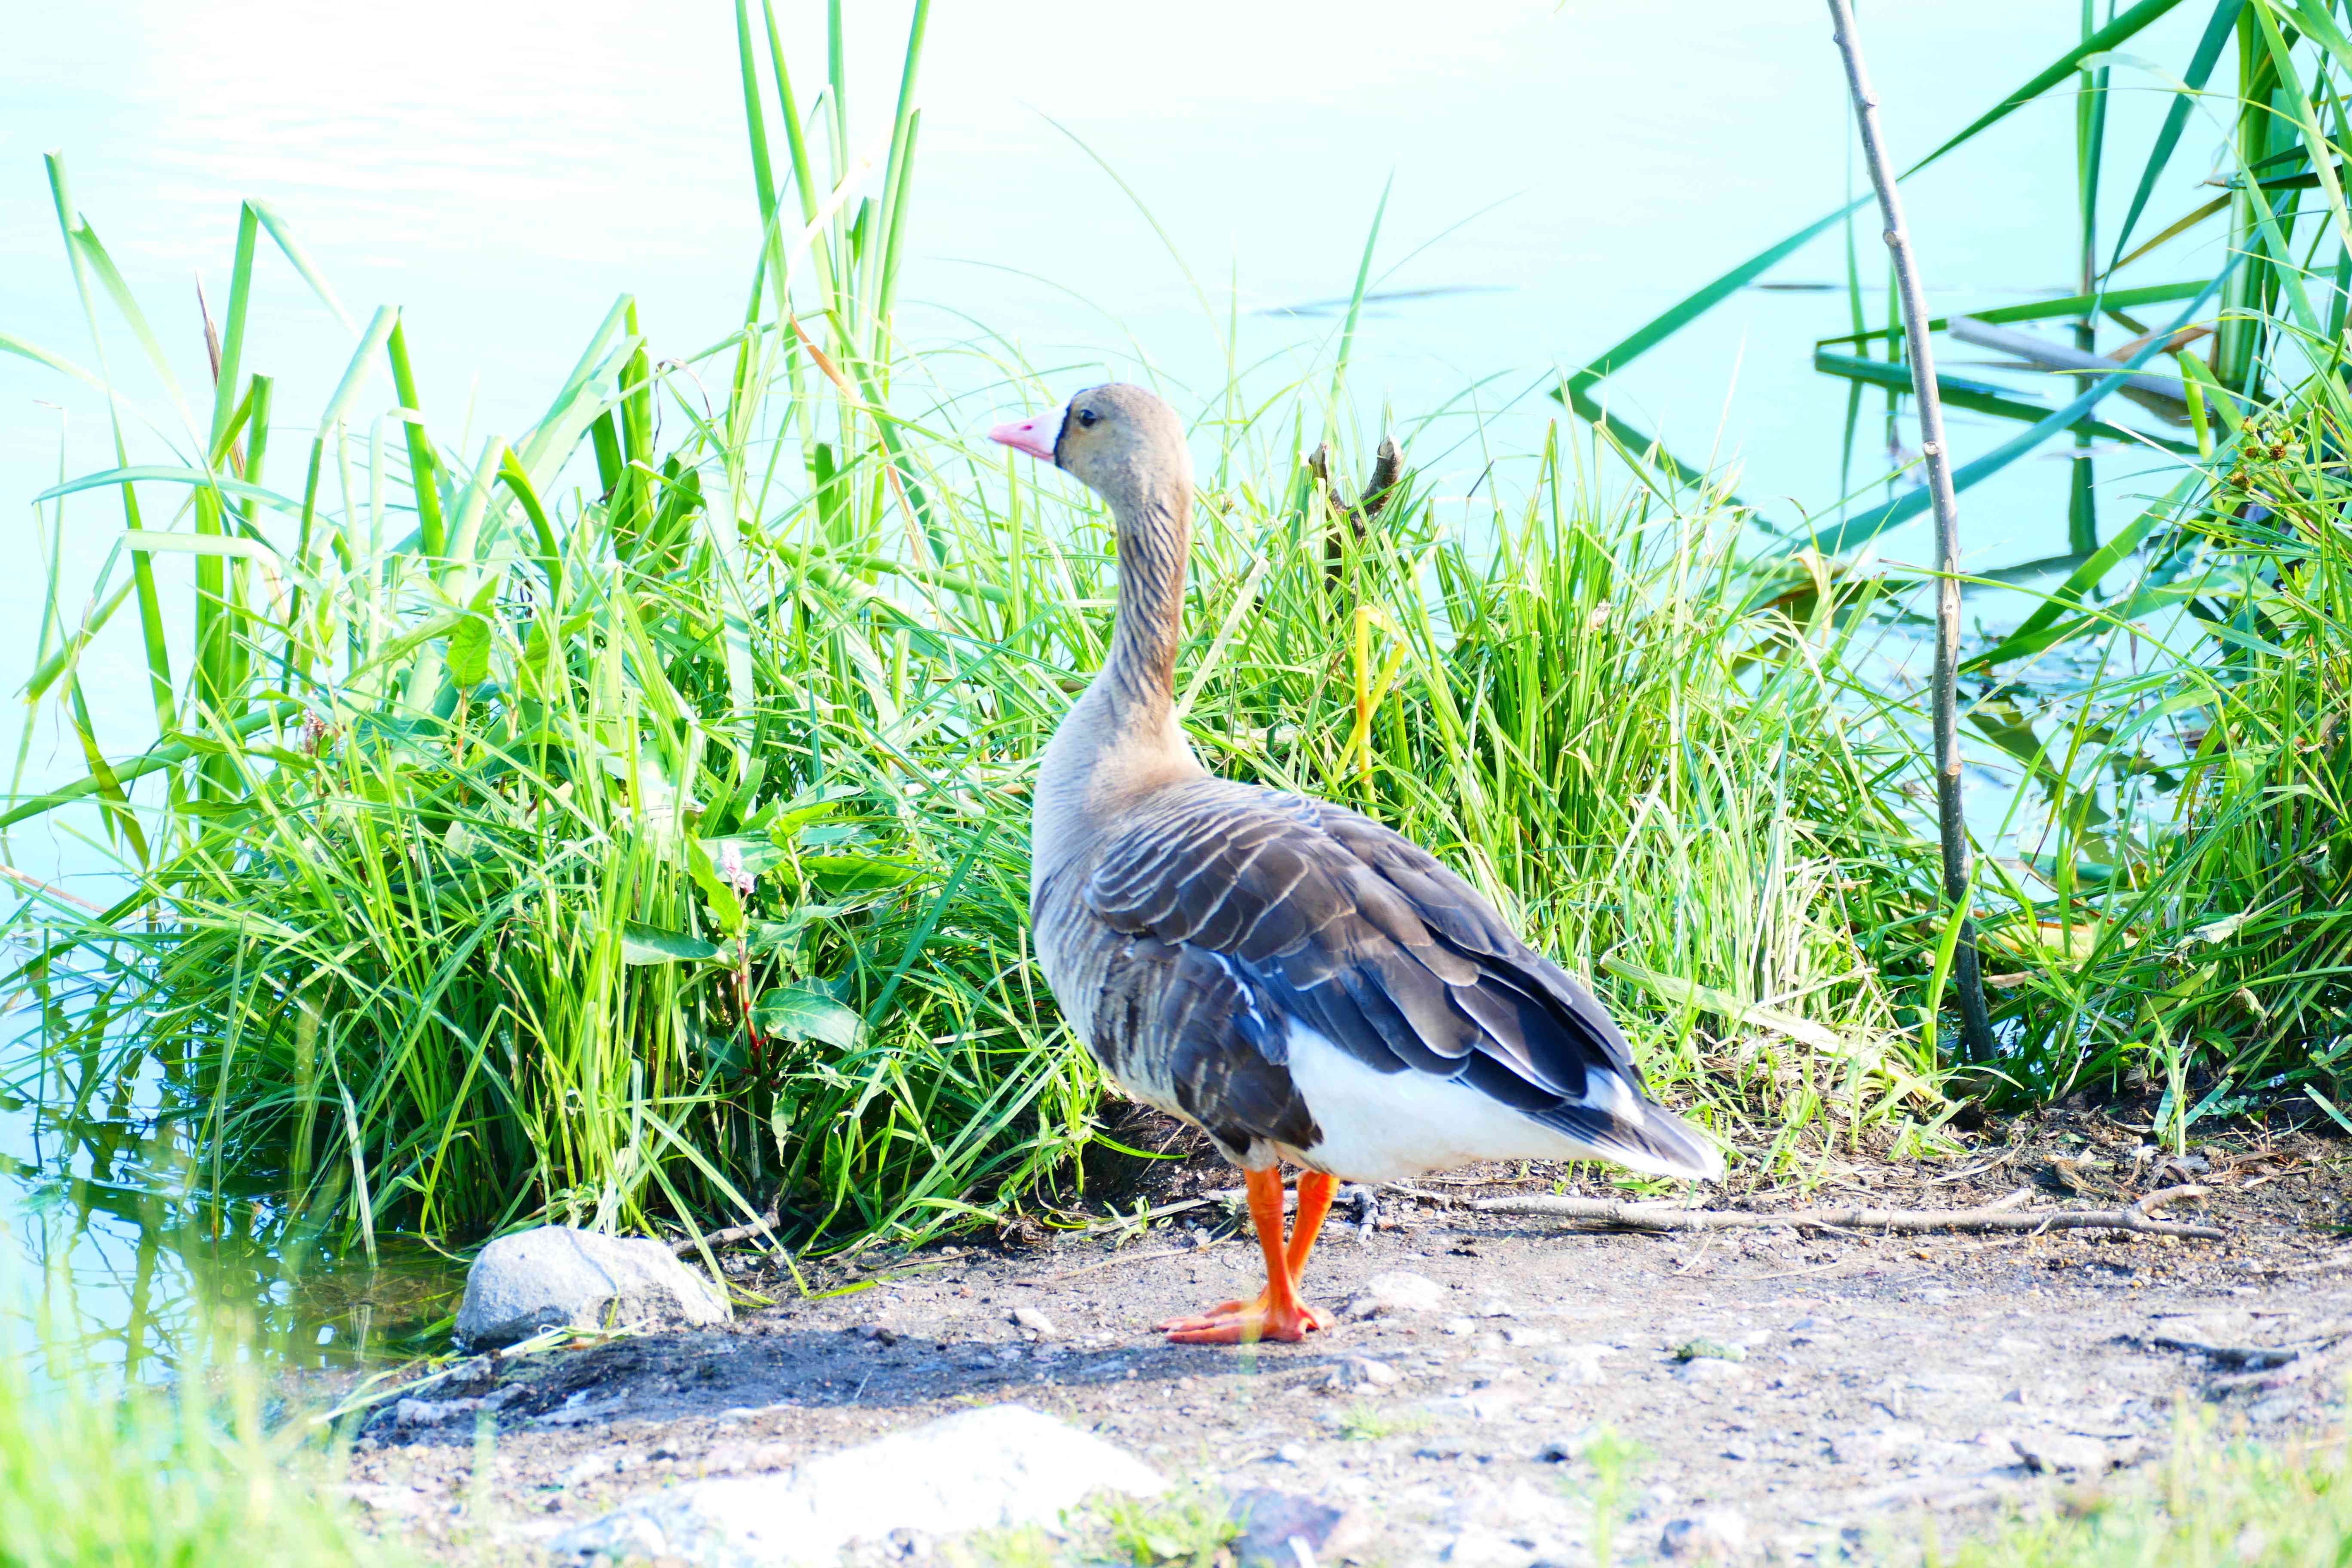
[1302,983]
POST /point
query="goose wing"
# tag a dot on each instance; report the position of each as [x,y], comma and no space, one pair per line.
[1292,910]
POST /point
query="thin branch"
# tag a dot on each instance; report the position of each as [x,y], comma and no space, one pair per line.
[1976,1021]
[2004,1214]
[765,1227]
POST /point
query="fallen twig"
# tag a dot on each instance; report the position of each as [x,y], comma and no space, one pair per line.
[2001,1215]
[765,1226]
[1225,1195]
[2251,1358]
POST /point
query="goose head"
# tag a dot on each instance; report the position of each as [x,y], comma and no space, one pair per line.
[1120,441]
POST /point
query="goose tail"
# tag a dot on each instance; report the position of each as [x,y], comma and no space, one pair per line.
[1644,1136]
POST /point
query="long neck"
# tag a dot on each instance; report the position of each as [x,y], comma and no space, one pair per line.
[1120,741]
[1155,534]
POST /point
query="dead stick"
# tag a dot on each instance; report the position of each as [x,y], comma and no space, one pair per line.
[1976,1021]
[2001,1215]
[764,1226]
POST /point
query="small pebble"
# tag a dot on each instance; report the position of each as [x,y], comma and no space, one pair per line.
[1460,1326]
[1036,1321]
[1711,1535]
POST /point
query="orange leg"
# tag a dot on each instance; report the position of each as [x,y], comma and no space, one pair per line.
[1277,1313]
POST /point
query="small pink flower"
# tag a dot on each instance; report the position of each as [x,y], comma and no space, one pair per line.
[732,873]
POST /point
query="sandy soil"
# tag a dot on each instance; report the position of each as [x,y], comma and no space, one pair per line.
[1880,1379]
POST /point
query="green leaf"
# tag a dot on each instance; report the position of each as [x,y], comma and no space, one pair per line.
[759,854]
[2200,66]
[2057,72]
[855,873]
[803,1012]
[2034,633]
[726,904]
[651,945]
[2043,309]
[469,651]
[1977,396]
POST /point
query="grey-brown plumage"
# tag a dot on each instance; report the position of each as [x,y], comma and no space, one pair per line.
[1298,979]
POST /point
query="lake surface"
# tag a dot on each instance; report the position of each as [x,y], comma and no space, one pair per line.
[1560,173]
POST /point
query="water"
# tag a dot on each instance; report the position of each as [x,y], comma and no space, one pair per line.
[502,170]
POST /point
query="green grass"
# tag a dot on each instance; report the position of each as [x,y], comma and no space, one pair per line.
[2212,1503]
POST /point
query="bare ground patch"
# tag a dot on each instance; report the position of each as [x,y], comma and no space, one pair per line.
[1878,1379]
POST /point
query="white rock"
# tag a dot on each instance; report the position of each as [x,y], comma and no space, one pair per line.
[1580,1366]
[1893,1440]
[1396,1294]
[1710,1369]
[555,1275]
[1036,1321]
[591,1468]
[996,1467]
[1477,1548]
[735,1459]
[1711,1535]
[1460,1326]
[384,1498]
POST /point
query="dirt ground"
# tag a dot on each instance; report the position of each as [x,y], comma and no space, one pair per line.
[1877,1380]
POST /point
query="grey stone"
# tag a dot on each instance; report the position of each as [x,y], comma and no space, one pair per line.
[1362,1372]
[1396,1294]
[556,1275]
[1710,1369]
[1270,1521]
[2053,1452]
[1570,1445]
[1000,1466]
[1711,1535]
[2277,1407]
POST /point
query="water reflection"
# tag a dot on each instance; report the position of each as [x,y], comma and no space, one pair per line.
[143,1260]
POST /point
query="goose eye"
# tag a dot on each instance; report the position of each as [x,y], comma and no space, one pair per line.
[1088,418]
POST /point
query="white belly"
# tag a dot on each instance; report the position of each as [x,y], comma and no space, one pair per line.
[1384,1127]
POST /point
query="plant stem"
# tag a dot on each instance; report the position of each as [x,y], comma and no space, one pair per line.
[1976,1021]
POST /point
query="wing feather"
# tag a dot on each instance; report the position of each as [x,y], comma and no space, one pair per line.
[1308,911]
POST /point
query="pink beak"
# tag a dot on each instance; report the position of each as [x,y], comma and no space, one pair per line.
[1035,437]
